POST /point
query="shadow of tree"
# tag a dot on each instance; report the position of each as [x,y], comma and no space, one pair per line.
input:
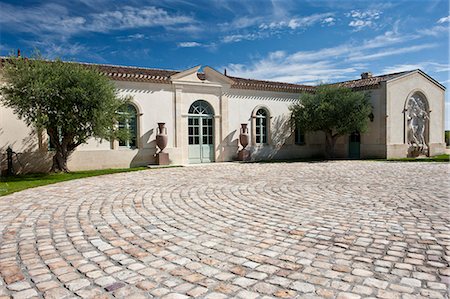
[228,147]
[280,131]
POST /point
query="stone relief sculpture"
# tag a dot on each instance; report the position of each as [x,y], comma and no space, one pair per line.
[417,119]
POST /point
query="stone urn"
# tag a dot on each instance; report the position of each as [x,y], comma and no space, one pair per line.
[161,137]
[243,136]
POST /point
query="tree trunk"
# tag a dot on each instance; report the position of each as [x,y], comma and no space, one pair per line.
[330,142]
[60,161]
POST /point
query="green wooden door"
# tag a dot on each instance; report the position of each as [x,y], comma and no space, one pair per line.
[354,146]
[200,133]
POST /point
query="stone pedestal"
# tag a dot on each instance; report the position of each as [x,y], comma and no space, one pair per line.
[244,155]
[162,159]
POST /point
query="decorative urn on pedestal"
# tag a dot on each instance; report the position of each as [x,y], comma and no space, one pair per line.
[244,138]
[162,158]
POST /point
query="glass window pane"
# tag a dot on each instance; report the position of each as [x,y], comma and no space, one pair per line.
[201,107]
[128,122]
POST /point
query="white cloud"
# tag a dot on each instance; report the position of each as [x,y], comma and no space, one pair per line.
[61,50]
[427,66]
[360,24]
[136,36]
[56,20]
[131,37]
[389,38]
[239,37]
[241,23]
[362,56]
[444,20]
[133,17]
[282,68]
[363,19]
[267,29]
[368,14]
[189,44]
[402,67]
[329,21]
[299,22]
[325,53]
[434,31]
[335,63]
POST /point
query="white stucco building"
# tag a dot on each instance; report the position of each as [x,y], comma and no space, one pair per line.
[203,112]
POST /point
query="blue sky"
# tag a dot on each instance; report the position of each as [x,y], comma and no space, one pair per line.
[303,41]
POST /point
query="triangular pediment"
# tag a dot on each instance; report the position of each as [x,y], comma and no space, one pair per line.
[215,76]
[423,74]
[209,77]
[189,75]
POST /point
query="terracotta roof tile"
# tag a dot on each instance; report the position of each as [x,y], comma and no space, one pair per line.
[241,83]
[370,83]
[122,73]
[163,76]
[138,74]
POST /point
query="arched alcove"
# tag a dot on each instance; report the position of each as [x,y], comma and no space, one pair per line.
[416,124]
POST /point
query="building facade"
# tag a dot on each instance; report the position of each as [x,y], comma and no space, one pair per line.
[203,112]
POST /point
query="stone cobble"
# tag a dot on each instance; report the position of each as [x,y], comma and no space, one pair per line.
[346,229]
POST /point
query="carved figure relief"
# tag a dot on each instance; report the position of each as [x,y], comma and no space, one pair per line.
[417,120]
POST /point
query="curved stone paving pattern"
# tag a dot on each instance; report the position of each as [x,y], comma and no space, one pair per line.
[349,229]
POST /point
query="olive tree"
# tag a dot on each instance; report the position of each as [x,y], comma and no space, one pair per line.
[334,110]
[72,102]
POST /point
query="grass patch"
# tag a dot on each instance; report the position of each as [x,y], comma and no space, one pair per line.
[438,158]
[13,184]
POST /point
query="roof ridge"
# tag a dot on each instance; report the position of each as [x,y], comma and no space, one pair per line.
[119,72]
[378,76]
[269,81]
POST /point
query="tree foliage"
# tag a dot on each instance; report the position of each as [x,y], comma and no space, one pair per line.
[72,102]
[335,110]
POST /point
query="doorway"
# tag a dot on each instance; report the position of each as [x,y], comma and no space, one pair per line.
[354,146]
[201,132]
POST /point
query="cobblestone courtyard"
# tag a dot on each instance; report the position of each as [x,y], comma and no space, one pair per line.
[349,229]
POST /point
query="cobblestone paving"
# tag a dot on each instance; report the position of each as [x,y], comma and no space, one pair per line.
[332,230]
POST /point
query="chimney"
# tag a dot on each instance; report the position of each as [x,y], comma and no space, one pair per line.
[225,72]
[366,75]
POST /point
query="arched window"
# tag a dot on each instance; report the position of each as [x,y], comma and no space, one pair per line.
[201,107]
[261,126]
[128,122]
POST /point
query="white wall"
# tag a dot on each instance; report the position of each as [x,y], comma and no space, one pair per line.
[232,107]
[398,91]
[242,103]
[373,141]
